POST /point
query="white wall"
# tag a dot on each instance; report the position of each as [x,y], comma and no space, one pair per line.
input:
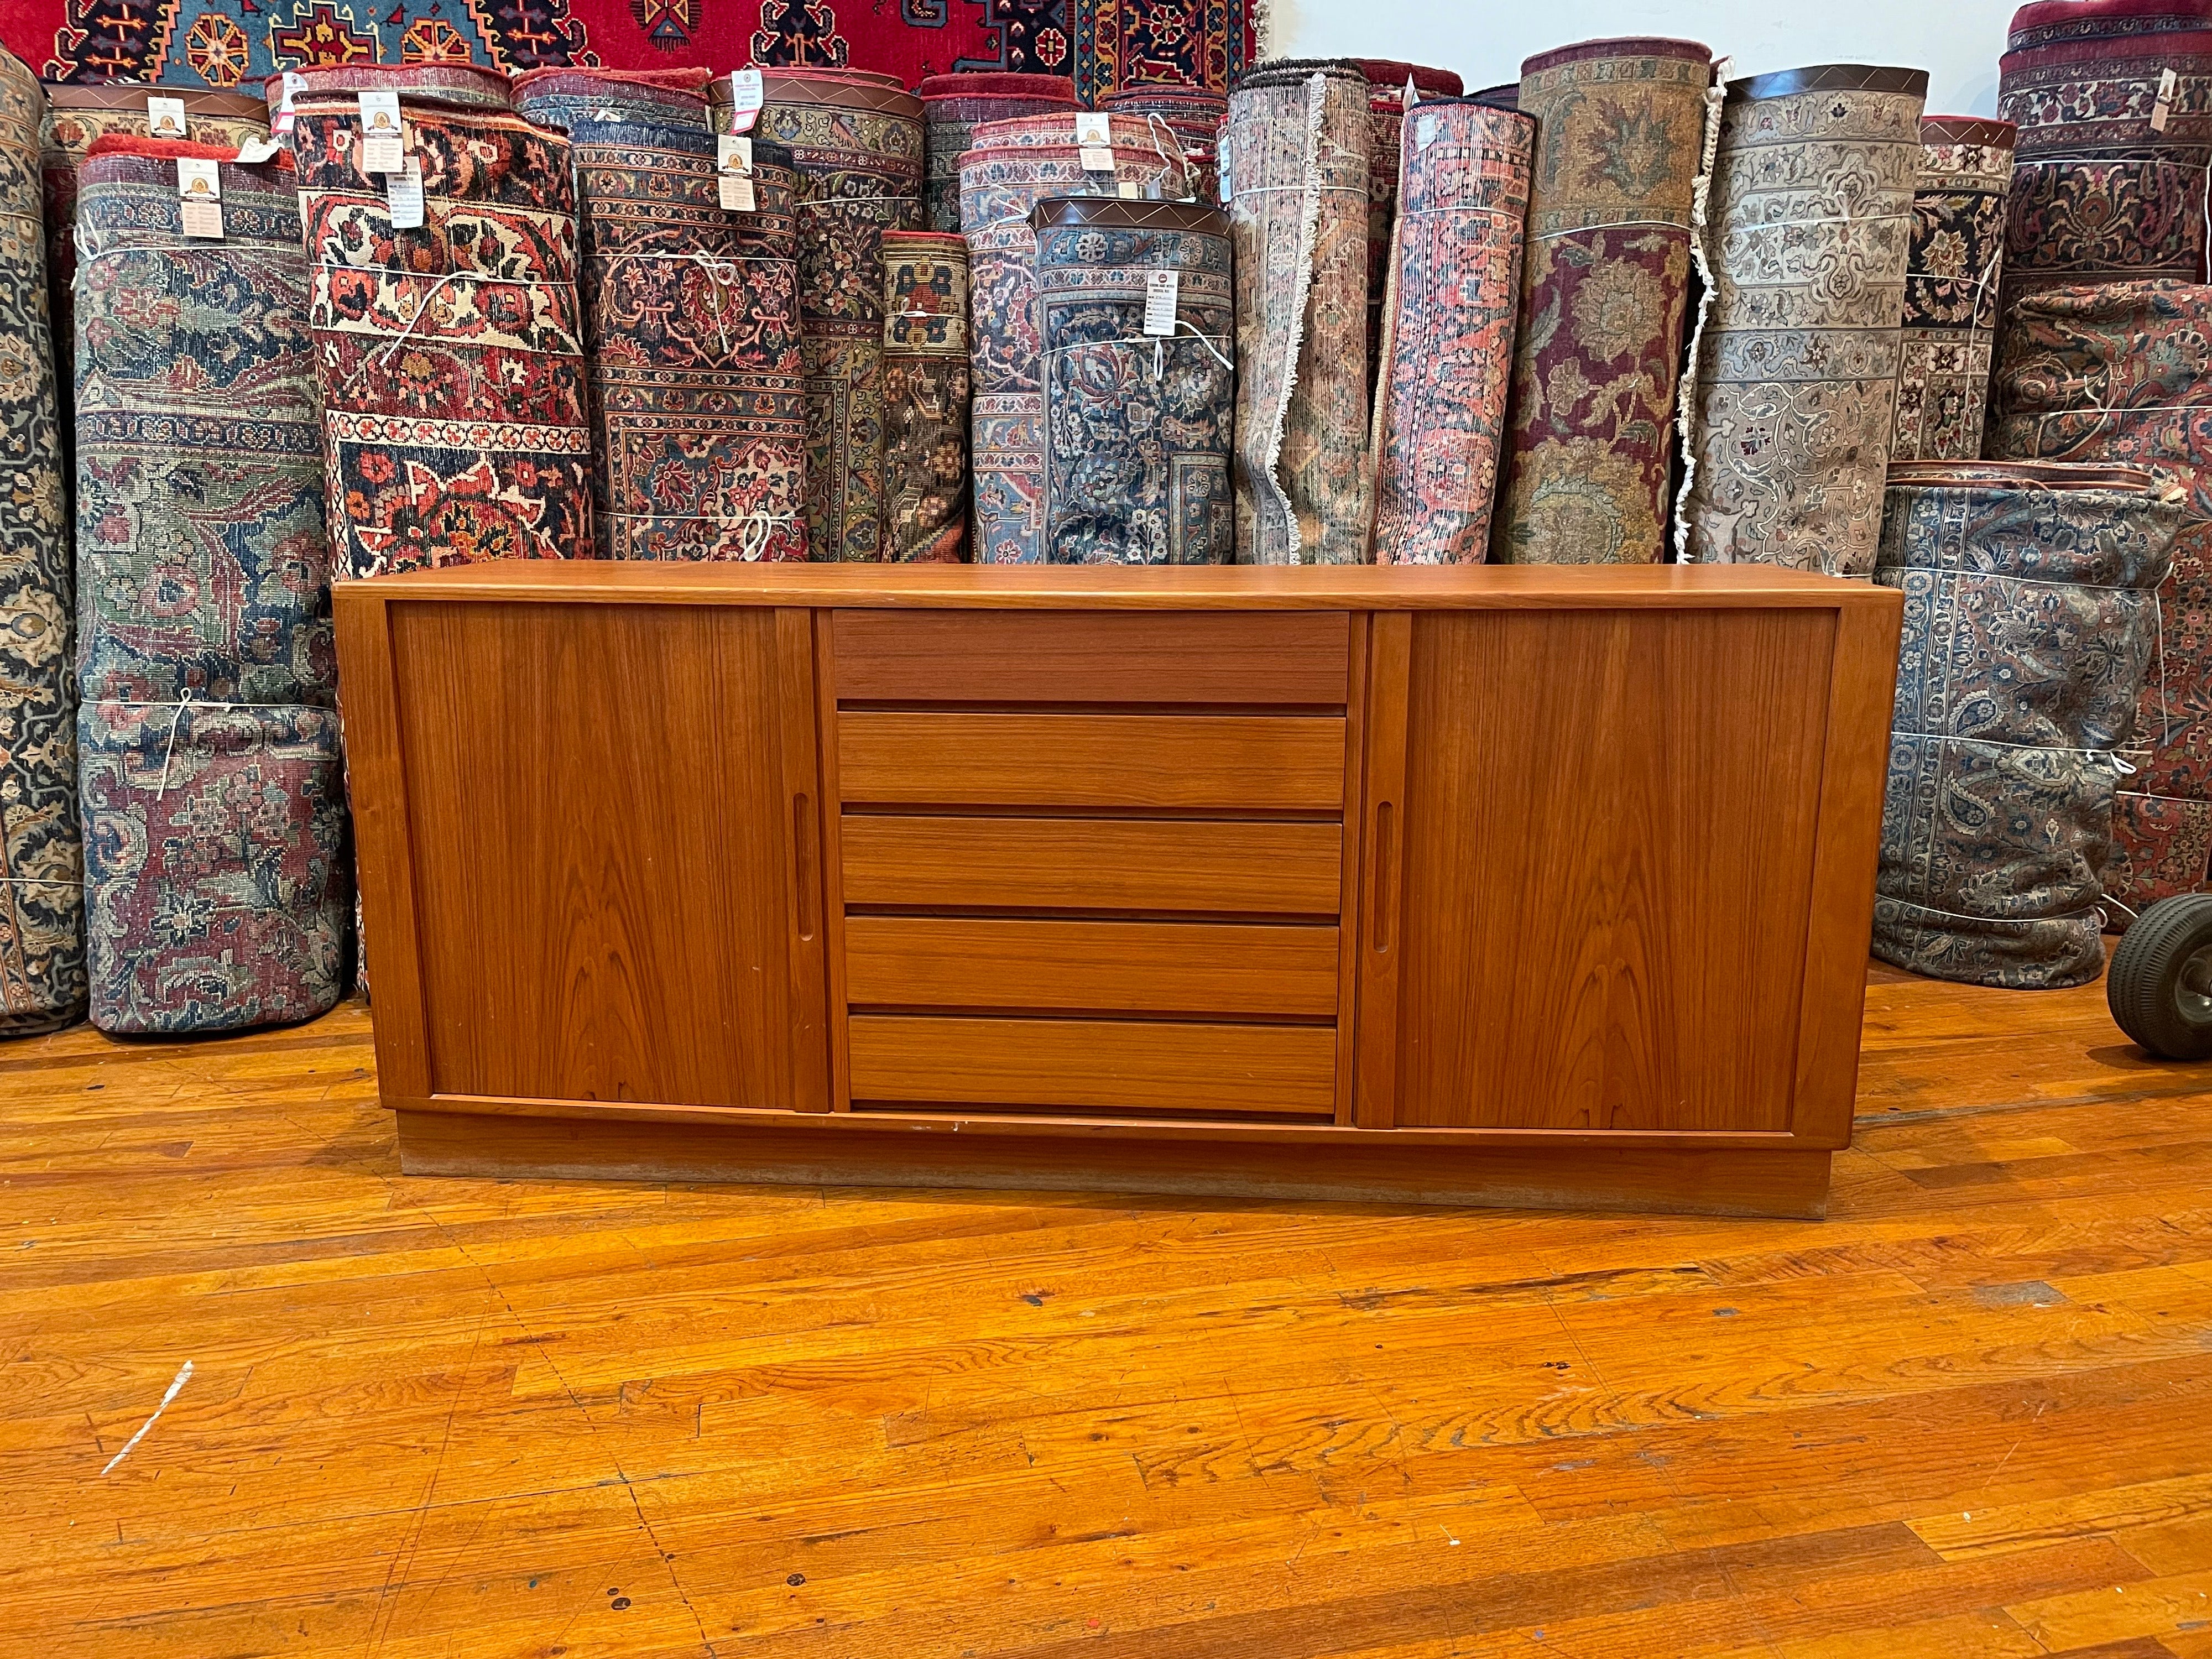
[1956,41]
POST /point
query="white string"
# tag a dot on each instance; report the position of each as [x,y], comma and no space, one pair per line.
[1837,219]
[1488,213]
[422,306]
[2205,168]
[1611,224]
[2111,755]
[1156,340]
[721,270]
[169,751]
[1279,190]
[2005,921]
[749,550]
[1154,126]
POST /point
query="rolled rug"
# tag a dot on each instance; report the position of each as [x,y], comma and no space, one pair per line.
[75,117]
[2121,373]
[1951,288]
[451,353]
[926,380]
[1297,169]
[2108,174]
[2030,622]
[1447,348]
[1014,166]
[1605,281]
[1136,413]
[691,317]
[1507,96]
[954,105]
[42,983]
[1797,386]
[218,890]
[856,142]
[1189,118]
[1387,79]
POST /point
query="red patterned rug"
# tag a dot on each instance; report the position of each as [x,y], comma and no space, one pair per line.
[1105,45]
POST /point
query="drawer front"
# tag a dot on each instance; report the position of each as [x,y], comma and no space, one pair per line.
[1113,1067]
[1094,864]
[1222,762]
[1291,657]
[1099,967]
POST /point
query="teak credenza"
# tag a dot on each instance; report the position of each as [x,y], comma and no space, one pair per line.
[1527,886]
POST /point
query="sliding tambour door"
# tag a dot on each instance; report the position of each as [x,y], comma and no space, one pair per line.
[1092,864]
[1595,837]
[611,820]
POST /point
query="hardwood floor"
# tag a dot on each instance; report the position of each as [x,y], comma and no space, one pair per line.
[1965,1417]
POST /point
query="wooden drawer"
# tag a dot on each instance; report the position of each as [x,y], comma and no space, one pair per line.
[1114,1067]
[1094,864]
[1257,763]
[1290,657]
[1099,967]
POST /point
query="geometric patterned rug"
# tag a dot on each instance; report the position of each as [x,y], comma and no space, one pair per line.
[1104,45]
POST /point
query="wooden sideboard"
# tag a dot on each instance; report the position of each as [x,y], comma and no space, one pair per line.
[1529,885]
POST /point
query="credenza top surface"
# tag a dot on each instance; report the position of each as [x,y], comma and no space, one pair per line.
[1121,587]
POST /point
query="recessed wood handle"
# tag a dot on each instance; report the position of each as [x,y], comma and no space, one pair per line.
[1382,894]
[804,859]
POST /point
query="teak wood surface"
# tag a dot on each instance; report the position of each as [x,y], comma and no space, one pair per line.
[437,1419]
[1482,886]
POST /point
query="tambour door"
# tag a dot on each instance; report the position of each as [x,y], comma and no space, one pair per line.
[1620,867]
[1092,863]
[611,821]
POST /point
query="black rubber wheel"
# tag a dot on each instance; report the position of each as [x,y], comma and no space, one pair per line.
[2160,984]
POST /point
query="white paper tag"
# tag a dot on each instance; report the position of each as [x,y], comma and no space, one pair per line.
[748,92]
[402,196]
[736,189]
[1096,160]
[2162,111]
[293,83]
[1091,128]
[1221,165]
[1129,189]
[199,180]
[1162,289]
[164,118]
[733,153]
[254,151]
[380,147]
[197,215]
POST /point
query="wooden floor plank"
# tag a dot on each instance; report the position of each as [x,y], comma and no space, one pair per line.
[1962,1417]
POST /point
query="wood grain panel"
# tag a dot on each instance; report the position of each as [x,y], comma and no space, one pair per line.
[1101,1066]
[1093,864]
[1610,821]
[1223,763]
[1112,967]
[909,1152]
[588,930]
[1089,656]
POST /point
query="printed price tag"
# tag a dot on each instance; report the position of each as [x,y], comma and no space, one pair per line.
[748,92]
[2162,111]
[1096,160]
[199,195]
[164,118]
[1221,166]
[381,149]
[402,196]
[1094,128]
[254,151]
[733,164]
[1162,289]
